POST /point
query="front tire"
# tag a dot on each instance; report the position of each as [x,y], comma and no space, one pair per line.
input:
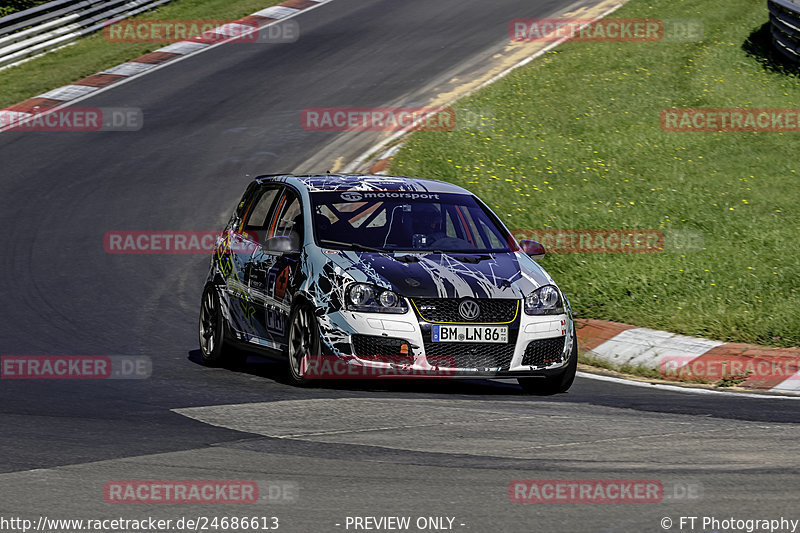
[555,384]
[214,346]
[304,343]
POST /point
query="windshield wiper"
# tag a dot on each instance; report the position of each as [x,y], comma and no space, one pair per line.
[353,245]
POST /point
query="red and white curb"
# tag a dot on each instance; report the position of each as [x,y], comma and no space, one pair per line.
[381,164]
[620,345]
[17,114]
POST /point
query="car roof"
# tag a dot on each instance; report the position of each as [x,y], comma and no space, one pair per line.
[364,182]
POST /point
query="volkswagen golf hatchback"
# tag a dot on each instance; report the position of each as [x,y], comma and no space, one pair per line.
[383,276]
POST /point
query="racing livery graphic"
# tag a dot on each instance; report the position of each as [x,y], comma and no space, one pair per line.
[383,271]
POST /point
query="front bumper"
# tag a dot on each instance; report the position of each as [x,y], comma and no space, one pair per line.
[539,346]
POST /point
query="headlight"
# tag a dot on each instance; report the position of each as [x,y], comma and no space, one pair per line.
[544,301]
[372,299]
[361,295]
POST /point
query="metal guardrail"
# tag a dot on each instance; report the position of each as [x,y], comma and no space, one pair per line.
[784,17]
[44,28]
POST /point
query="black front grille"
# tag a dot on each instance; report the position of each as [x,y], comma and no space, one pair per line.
[385,349]
[446,310]
[469,355]
[544,352]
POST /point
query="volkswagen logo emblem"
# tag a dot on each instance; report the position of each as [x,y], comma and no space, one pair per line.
[469,310]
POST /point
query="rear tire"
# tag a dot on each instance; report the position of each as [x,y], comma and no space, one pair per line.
[304,343]
[555,384]
[215,348]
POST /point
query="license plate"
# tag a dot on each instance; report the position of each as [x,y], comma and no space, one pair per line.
[497,334]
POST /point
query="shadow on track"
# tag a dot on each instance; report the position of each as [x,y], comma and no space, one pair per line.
[274,370]
[585,390]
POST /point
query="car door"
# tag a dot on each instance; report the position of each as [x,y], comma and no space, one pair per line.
[243,243]
[271,273]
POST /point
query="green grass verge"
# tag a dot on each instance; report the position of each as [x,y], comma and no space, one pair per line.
[642,371]
[574,141]
[636,370]
[93,53]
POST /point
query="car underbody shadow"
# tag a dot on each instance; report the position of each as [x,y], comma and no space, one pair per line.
[275,370]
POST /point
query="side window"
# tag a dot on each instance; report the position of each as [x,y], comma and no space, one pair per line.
[459,225]
[490,236]
[289,219]
[450,227]
[257,218]
[453,223]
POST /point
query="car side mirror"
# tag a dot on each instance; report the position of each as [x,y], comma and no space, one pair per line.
[280,244]
[533,248]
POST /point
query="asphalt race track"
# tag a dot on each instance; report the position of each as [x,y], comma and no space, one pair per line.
[435,449]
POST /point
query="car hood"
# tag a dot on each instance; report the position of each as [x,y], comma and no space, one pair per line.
[452,275]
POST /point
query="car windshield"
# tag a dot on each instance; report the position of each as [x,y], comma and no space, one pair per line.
[406,221]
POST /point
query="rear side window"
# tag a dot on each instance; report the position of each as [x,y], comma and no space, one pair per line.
[258,217]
